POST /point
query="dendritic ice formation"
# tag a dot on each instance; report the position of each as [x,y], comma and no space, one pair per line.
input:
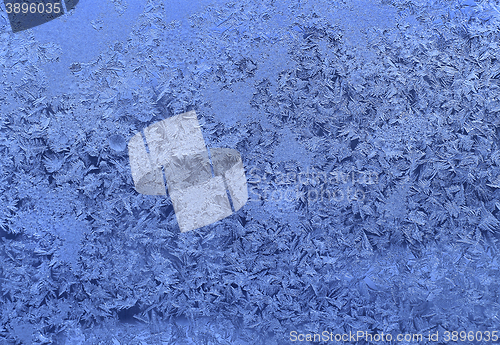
[176,145]
[86,259]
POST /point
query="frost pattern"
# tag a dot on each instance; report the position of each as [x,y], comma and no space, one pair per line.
[86,259]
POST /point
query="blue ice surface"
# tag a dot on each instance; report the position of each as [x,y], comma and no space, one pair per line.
[315,96]
[83,34]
